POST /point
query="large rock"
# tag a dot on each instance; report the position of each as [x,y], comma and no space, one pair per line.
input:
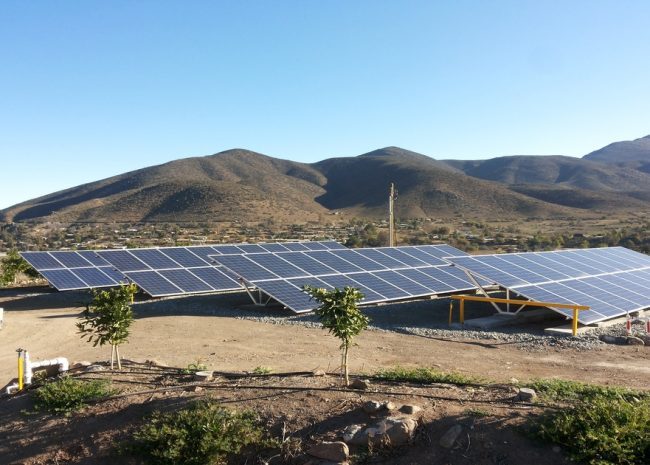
[390,431]
[526,395]
[333,451]
[372,406]
[409,409]
[449,438]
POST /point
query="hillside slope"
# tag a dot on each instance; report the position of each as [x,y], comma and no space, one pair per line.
[426,187]
[632,154]
[248,186]
[235,184]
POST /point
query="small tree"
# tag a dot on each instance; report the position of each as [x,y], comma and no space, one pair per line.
[12,265]
[107,319]
[340,315]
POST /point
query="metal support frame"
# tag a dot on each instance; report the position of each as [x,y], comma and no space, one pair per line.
[471,277]
[524,303]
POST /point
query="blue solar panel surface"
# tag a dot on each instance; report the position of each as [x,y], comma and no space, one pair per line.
[611,281]
[178,270]
[381,274]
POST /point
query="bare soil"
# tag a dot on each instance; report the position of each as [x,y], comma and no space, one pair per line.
[196,330]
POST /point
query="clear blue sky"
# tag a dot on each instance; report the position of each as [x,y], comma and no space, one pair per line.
[90,89]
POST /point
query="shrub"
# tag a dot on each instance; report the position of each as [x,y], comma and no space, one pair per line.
[424,376]
[564,390]
[602,430]
[203,433]
[67,395]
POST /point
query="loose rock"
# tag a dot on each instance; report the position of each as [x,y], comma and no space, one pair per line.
[92,368]
[350,432]
[390,406]
[334,451]
[318,373]
[526,394]
[410,409]
[359,384]
[203,376]
[449,438]
[372,406]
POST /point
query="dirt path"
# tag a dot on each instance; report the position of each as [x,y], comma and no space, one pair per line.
[225,343]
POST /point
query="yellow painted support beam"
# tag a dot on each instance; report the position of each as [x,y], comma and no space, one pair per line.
[518,302]
[451,311]
[532,303]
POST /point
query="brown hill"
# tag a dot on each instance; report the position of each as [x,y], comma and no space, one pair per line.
[426,187]
[243,185]
[574,182]
[235,184]
[632,154]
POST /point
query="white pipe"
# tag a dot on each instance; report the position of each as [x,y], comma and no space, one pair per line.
[11,388]
[61,362]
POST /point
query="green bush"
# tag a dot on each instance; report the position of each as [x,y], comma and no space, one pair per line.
[563,390]
[67,395]
[424,376]
[602,430]
[203,433]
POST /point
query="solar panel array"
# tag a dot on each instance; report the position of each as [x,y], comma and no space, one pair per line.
[164,271]
[612,281]
[381,274]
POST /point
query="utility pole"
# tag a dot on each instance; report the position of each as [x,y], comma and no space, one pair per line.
[391,215]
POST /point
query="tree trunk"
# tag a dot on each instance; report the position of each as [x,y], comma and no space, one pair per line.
[112,355]
[117,353]
[345,365]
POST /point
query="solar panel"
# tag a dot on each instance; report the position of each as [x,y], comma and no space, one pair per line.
[153,283]
[154,258]
[41,260]
[329,259]
[378,285]
[242,266]
[187,270]
[184,257]
[94,277]
[274,247]
[122,260]
[64,280]
[612,281]
[382,275]
[359,260]
[186,281]
[307,263]
[70,259]
[216,278]
[280,267]
[92,257]
[288,295]
[405,283]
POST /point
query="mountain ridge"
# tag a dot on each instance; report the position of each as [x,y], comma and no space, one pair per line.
[240,184]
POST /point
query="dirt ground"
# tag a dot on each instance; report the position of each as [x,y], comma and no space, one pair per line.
[183,331]
[308,409]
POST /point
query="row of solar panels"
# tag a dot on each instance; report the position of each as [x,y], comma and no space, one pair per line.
[158,271]
[382,274]
[612,281]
